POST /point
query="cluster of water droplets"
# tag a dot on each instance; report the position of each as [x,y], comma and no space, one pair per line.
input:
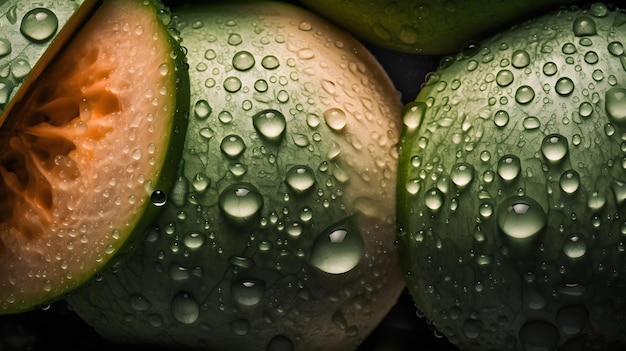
[516,186]
[27,31]
[268,220]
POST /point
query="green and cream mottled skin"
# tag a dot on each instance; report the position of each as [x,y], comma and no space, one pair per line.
[279,232]
[511,187]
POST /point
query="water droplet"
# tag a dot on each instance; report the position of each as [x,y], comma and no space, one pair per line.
[158,198]
[234,39]
[280,343]
[520,217]
[462,175]
[591,57]
[240,327]
[185,308]
[501,118]
[232,146]
[193,240]
[413,114]
[575,246]
[549,68]
[531,123]
[338,248]
[584,26]
[243,61]
[433,199]
[232,84]
[335,118]
[520,59]
[572,320]
[472,328]
[270,62]
[225,117]
[240,203]
[248,292]
[300,179]
[554,148]
[39,24]
[20,69]
[202,109]
[569,181]
[524,94]
[564,86]
[138,302]
[615,105]
[616,48]
[261,85]
[568,48]
[270,124]
[5,47]
[539,335]
[509,167]
[504,78]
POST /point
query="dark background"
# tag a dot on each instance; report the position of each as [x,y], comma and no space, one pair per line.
[57,327]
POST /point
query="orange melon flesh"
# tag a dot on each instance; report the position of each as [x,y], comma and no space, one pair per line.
[82,152]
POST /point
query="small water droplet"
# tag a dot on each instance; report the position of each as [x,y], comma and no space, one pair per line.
[501,118]
[39,24]
[202,109]
[5,47]
[413,115]
[531,123]
[234,39]
[549,68]
[616,48]
[433,199]
[520,59]
[338,249]
[232,84]
[572,320]
[138,302]
[240,203]
[520,217]
[193,240]
[504,78]
[158,198]
[270,124]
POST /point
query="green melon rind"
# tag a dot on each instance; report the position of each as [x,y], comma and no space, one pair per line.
[427,27]
[70,15]
[162,180]
[439,248]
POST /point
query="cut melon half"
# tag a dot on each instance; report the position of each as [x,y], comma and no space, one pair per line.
[82,154]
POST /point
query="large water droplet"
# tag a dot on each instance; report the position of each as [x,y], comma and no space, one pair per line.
[240,203]
[504,78]
[270,62]
[338,248]
[539,335]
[462,175]
[554,148]
[572,319]
[300,179]
[564,86]
[248,292]
[232,146]
[520,217]
[509,167]
[575,246]
[615,105]
[39,24]
[336,119]
[569,181]
[5,47]
[280,343]
[520,59]
[584,26]
[413,115]
[185,308]
[202,109]
[243,61]
[270,124]
[524,94]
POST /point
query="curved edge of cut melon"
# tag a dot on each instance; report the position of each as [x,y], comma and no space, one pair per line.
[44,271]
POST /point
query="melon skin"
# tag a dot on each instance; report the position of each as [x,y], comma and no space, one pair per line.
[85,149]
[279,231]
